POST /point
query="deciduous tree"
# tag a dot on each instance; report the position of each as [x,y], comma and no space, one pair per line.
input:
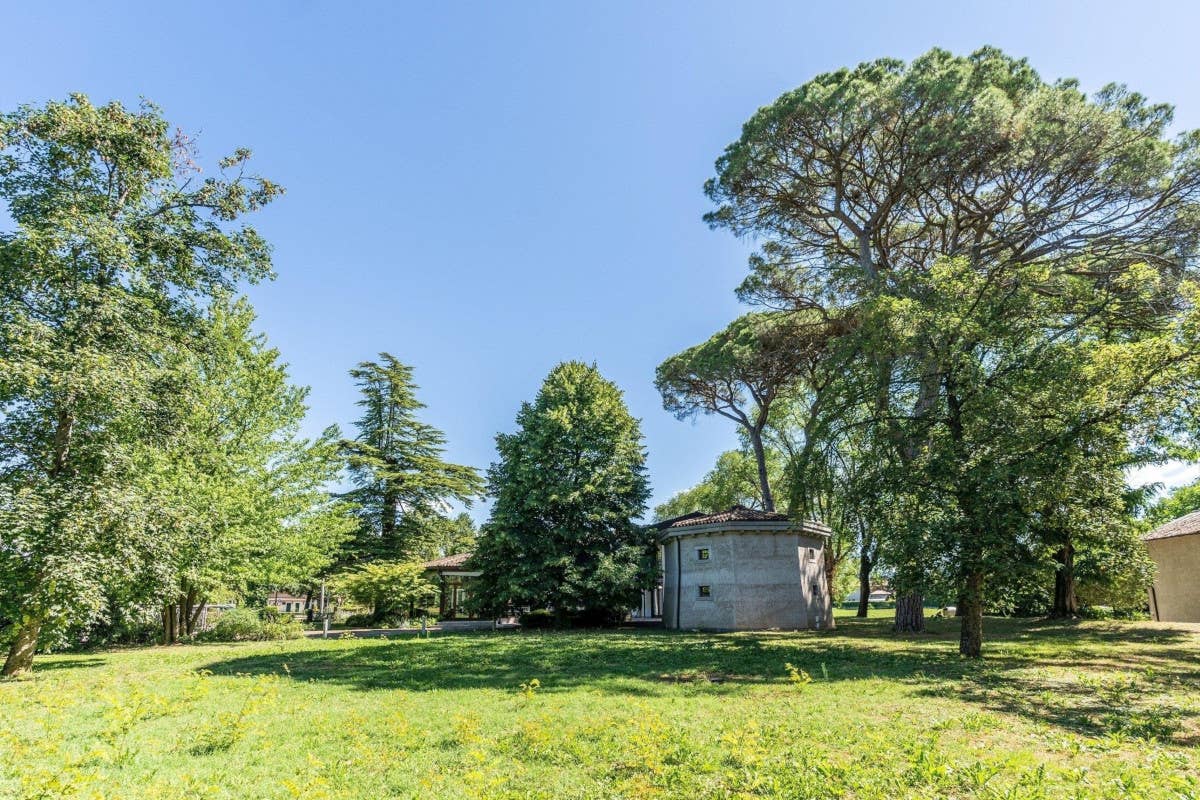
[117,246]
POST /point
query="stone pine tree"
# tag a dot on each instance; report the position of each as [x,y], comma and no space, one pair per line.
[116,247]
[568,485]
[1013,259]
[738,373]
[402,482]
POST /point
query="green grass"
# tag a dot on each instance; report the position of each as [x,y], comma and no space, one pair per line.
[1091,709]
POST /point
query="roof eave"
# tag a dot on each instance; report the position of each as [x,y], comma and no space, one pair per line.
[780,526]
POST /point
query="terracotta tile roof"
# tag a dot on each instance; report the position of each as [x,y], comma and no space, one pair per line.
[448,562]
[1183,526]
[735,514]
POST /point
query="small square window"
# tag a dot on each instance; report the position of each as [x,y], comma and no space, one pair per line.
[816,590]
[812,554]
[702,554]
[705,591]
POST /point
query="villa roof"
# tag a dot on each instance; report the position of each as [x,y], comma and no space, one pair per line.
[737,519]
[1183,526]
[735,514]
[448,562]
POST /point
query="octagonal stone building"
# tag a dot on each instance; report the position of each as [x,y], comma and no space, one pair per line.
[744,569]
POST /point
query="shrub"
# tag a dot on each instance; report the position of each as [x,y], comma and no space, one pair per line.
[577,618]
[391,589]
[596,618]
[246,624]
[539,618]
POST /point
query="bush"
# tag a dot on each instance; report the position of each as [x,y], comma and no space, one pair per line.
[578,618]
[246,624]
[390,620]
[539,618]
[596,618]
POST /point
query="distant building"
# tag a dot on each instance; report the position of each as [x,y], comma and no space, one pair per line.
[1175,548]
[286,602]
[743,569]
[453,577]
[876,596]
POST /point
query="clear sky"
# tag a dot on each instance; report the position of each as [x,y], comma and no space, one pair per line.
[485,189]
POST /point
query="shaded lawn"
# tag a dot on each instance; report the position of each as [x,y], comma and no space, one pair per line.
[1088,709]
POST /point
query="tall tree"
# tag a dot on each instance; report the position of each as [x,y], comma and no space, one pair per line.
[567,487]
[117,247]
[993,240]
[242,496]
[738,374]
[396,463]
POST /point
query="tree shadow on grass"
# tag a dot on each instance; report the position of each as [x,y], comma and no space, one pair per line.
[1012,678]
[49,663]
[1091,678]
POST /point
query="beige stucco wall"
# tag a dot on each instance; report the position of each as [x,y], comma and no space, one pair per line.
[1177,583]
[758,580]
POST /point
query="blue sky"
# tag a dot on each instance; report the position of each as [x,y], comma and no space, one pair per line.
[486,189]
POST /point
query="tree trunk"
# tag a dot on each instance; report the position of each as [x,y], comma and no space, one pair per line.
[1065,604]
[910,613]
[20,652]
[865,565]
[198,603]
[970,643]
[170,624]
[760,456]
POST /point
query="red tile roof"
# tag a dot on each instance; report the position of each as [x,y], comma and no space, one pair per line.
[1183,526]
[735,514]
[448,562]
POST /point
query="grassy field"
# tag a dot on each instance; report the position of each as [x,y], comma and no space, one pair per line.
[1091,709]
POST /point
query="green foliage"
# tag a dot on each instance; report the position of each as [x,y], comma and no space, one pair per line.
[242,495]
[537,618]
[733,481]
[402,483]
[567,487]
[116,250]
[738,373]
[1177,503]
[1001,303]
[248,624]
[389,589]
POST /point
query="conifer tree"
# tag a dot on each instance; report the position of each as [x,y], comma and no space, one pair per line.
[568,486]
[403,485]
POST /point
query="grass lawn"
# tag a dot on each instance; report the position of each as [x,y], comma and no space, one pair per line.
[1091,709]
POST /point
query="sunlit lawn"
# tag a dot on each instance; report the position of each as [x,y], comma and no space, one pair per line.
[1094,709]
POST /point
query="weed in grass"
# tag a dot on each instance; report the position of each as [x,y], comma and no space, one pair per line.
[230,727]
[529,688]
[798,677]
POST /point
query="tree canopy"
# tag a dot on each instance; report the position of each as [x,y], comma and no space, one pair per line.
[117,249]
[567,487]
[1007,265]
[403,485]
